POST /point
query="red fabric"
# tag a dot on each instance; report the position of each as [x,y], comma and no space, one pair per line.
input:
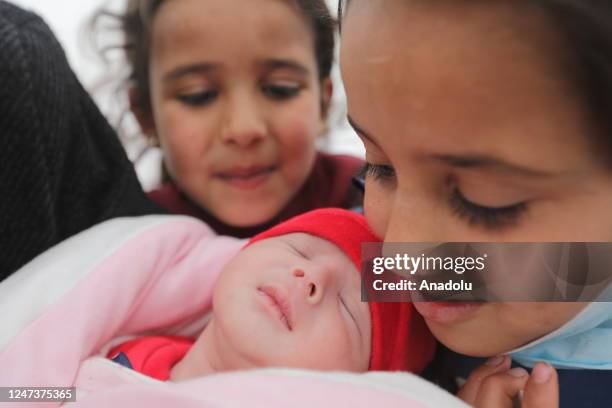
[329,185]
[154,356]
[400,339]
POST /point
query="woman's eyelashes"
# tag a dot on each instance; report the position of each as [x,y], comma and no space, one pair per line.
[380,172]
[488,217]
[475,214]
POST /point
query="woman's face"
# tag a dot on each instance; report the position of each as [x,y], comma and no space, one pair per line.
[237,103]
[473,134]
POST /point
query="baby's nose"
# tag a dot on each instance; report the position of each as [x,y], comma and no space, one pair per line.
[313,285]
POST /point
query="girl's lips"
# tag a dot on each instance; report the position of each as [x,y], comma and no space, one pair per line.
[246,178]
[279,303]
[447,312]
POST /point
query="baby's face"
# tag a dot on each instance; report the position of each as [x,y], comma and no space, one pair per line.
[291,301]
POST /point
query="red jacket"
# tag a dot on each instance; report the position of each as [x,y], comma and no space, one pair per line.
[153,356]
[329,185]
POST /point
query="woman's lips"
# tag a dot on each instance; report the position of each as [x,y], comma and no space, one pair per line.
[246,178]
[447,312]
[277,301]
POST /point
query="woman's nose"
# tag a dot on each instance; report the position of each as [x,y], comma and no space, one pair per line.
[413,218]
[244,125]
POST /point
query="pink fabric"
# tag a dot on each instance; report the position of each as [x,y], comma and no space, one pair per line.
[158,279]
[257,389]
[150,276]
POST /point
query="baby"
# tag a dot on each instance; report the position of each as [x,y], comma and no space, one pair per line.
[292,298]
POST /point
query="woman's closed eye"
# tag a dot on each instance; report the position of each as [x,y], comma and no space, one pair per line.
[474,213]
[488,217]
[379,172]
[199,98]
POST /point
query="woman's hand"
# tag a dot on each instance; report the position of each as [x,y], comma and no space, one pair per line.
[496,385]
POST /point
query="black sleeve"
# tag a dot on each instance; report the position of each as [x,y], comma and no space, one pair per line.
[62,167]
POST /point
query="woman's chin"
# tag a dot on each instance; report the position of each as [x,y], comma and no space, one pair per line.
[490,340]
[464,343]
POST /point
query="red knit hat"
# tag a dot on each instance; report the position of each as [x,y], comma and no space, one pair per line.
[400,338]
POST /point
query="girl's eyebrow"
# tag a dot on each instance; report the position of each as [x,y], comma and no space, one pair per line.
[276,63]
[198,68]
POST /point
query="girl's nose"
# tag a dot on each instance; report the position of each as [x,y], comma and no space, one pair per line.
[244,125]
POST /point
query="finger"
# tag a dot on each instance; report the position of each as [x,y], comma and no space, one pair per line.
[494,365]
[500,390]
[542,389]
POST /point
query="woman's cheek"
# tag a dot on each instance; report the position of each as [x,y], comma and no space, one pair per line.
[376,205]
[535,319]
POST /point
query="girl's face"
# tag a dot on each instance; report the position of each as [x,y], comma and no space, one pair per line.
[237,103]
[473,133]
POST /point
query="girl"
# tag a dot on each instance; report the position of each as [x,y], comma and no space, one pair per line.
[491,123]
[236,94]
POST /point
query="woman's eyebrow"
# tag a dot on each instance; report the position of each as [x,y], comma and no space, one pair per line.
[470,160]
[361,131]
[491,163]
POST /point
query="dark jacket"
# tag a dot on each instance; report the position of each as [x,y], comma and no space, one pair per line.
[62,167]
[578,388]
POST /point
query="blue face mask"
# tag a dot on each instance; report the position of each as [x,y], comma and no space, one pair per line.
[583,342]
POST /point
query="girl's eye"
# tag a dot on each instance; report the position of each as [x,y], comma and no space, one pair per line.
[379,172]
[198,98]
[488,217]
[281,92]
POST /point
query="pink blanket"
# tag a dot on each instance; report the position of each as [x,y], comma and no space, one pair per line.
[151,275]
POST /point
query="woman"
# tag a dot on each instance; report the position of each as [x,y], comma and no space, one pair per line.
[491,123]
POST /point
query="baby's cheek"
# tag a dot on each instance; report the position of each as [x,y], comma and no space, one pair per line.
[339,348]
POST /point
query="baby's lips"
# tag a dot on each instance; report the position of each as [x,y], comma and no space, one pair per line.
[281,299]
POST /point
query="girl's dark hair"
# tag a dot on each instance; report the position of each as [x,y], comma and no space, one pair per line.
[136,22]
[586,26]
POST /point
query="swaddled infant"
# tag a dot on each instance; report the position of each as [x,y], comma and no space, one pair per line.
[292,298]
